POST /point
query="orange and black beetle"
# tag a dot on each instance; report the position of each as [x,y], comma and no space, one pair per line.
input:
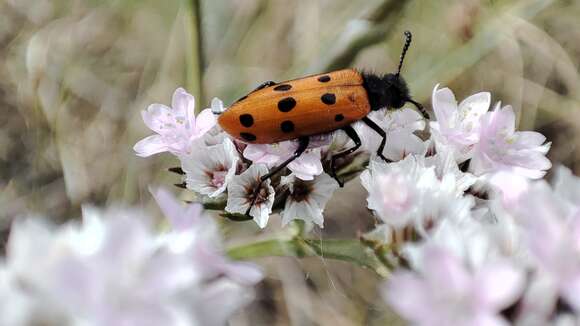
[313,105]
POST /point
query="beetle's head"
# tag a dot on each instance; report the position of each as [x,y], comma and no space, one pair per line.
[387,91]
[390,90]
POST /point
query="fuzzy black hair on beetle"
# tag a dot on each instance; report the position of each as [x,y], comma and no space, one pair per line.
[387,91]
[390,90]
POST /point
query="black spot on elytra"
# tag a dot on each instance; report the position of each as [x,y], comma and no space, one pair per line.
[328,98]
[324,79]
[338,117]
[287,126]
[286,104]
[248,136]
[283,87]
[246,120]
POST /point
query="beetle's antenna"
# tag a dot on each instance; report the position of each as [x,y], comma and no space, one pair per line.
[408,38]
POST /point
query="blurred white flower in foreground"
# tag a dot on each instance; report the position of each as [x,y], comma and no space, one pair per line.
[552,229]
[241,194]
[502,148]
[446,292]
[307,199]
[176,127]
[458,125]
[112,269]
[209,169]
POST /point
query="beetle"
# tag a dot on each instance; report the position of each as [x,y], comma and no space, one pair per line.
[314,105]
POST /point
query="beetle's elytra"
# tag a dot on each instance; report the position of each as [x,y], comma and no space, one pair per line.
[313,105]
[301,107]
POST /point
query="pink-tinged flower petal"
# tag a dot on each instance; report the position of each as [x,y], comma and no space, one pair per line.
[511,186]
[307,165]
[473,107]
[571,292]
[183,105]
[157,117]
[500,284]
[259,153]
[205,121]
[444,105]
[487,319]
[408,119]
[501,120]
[403,144]
[180,216]
[527,139]
[242,272]
[405,292]
[150,145]
[444,268]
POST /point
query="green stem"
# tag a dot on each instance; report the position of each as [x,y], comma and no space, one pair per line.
[348,250]
[194,52]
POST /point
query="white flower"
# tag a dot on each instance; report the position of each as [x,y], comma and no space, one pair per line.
[400,126]
[501,148]
[16,308]
[457,126]
[446,292]
[208,170]
[241,194]
[552,229]
[445,163]
[305,167]
[307,199]
[176,128]
[112,269]
[407,193]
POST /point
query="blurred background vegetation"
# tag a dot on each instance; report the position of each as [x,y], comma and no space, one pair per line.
[74,76]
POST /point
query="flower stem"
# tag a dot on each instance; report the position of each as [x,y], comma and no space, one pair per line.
[348,250]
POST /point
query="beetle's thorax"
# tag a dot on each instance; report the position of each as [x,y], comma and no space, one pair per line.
[386,91]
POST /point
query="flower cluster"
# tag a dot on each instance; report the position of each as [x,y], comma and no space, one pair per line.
[113,269]
[479,241]
[221,169]
[506,259]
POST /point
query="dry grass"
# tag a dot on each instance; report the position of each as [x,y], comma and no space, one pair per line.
[75,75]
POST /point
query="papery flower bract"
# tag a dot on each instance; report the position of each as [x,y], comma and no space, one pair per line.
[399,126]
[407,193]
[176,128]
[208,170]
[112,269]
[457,126]
[241,194]
[501,148]
[305,167]
[217,106]
[446,292]
[307,199]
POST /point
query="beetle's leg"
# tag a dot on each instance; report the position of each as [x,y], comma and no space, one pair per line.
[420,108]
[381,133]
[264,85]
[302,146]
[176,169]
[350,132]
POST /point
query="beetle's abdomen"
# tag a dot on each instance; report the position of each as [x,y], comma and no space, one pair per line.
[302,107]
